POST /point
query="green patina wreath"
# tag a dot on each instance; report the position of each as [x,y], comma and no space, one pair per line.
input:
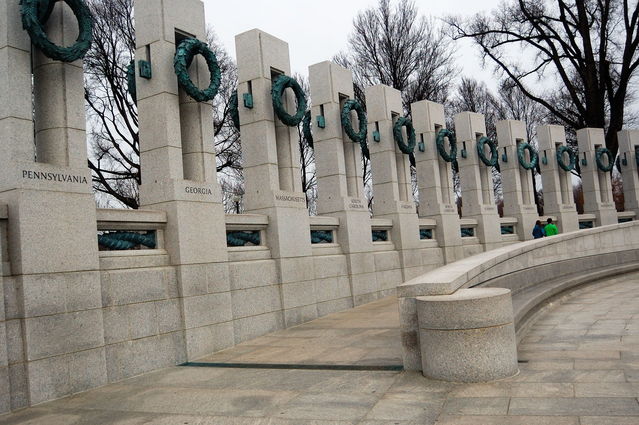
[534,157]
[571,156]
[450,156]
[130,81]
[599,153]
[242,238]
[306,129]
[399,138]
[126,240]
[359,137]
[493,151]
[233,110]
[321,236]
[35,14]
[184,55]
[354,105]
[277,90]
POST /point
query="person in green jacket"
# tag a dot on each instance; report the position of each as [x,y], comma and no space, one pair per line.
[550,228]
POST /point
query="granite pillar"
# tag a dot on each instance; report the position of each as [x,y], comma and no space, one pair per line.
[516,181]
[478,196]
[435,179]
[392,189]
[270,152]
[340,172]
[557,184]
[596,184]
[179,175]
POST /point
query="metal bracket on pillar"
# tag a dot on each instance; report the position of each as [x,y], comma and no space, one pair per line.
[145,69]
[464,153]
[376,136]
[321,121]
[504,156]
[584,161]
[544,160]
[248,100]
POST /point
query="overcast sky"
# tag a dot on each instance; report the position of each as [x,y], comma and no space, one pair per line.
[316,30]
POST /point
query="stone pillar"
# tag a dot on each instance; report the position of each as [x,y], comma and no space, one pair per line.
[435,179]
[516,181]
[52,232]
[178,172]
[478,196]
[271,171]
[597,184]
[629,158]
[557,183]
[393,195]
[340,175]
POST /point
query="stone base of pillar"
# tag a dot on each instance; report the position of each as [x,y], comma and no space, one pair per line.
[288,236]
[566,217]
[448,236]
[605,215]
[55,280]
[195,238]
[526,218]
[488,228]
[354,237]
[405,237]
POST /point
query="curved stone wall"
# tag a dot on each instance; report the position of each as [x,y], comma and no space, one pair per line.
[521,267]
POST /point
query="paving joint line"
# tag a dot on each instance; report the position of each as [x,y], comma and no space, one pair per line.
[292,366]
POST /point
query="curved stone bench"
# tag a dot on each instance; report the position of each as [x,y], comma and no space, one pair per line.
[468,336]
[534,271]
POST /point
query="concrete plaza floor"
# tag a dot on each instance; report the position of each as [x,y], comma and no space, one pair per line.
[366,336]
[579,366]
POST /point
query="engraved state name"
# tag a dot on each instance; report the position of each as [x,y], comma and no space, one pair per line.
[290,198]
[198,190]
[55,177]
[356,204]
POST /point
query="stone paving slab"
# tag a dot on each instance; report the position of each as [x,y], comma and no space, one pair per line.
[571,386]
[367,335]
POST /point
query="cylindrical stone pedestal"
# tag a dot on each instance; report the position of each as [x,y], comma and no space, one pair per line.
[468,336]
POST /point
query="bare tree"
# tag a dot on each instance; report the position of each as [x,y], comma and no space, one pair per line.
[397,47]
[112,114]
[307,171]
[232,193]
[588,46]
[307,154]
[226,136]
[474,96]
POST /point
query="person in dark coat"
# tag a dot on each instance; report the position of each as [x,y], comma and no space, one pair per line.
[538,230]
